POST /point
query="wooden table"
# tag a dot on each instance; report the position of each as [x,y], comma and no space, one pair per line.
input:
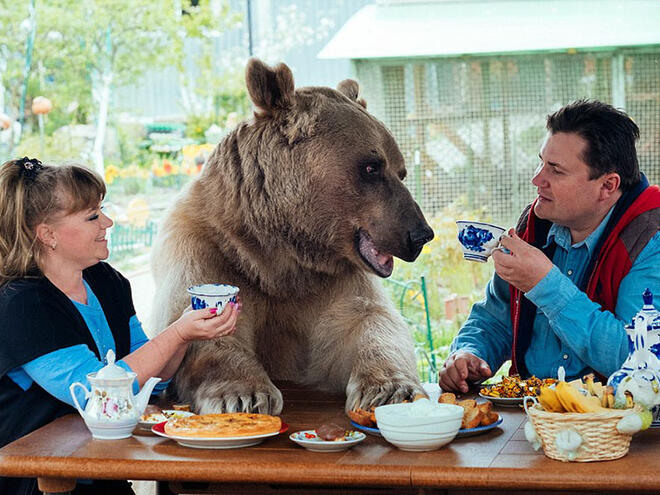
[499,460]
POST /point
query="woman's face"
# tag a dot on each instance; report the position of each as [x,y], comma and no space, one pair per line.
[79,238]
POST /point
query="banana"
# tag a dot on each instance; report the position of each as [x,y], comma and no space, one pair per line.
[549,401]
[598,390]
[591,404]
[574,401]
[608,397]
[568,396]
[589,383]
[576,384]
[629,400]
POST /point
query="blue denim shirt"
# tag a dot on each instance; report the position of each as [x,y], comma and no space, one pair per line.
[569,329]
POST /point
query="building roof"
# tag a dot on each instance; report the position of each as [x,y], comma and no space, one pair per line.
[402,28]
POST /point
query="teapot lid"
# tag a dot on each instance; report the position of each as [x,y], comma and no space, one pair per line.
[648,299]
[648,311]
[111,370]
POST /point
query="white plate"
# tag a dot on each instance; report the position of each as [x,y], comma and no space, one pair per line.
[216,443]
[503,401]
[166,414]
[478,430]
[310,440]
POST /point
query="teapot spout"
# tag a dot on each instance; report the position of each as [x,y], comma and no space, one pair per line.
[142,398]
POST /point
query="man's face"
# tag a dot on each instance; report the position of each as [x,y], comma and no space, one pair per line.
[566,195]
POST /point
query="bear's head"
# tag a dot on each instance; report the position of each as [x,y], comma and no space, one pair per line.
[325,177]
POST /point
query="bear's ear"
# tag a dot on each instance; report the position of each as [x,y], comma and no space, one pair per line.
[269,89]
[350,89]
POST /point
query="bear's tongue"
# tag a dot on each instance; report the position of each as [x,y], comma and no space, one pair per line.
[381,263]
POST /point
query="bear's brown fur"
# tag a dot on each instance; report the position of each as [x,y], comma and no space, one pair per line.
[298,207]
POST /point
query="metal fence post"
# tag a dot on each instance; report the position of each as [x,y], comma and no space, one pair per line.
[429,334]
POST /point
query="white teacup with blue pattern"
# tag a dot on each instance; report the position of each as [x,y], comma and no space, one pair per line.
[212,296]
[478,239]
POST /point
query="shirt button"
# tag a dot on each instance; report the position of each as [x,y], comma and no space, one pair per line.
[570,272]
[565,356]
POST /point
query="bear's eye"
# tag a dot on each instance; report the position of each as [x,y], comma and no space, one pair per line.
[371,168]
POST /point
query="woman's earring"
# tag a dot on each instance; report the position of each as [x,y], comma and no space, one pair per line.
[53,246]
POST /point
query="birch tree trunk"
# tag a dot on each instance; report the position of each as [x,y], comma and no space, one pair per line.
[103,98]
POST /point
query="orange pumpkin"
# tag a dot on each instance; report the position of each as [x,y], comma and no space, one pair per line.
[5,121]
[41,105]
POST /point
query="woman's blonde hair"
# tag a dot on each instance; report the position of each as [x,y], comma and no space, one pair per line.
[32,193]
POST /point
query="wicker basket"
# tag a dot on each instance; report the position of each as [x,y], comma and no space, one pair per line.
[600,439]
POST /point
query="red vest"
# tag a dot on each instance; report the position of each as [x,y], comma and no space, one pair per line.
[627,233]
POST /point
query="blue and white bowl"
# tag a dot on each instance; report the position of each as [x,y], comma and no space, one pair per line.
[212,296]
[478,239]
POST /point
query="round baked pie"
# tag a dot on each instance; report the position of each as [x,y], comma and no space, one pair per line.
[223,425]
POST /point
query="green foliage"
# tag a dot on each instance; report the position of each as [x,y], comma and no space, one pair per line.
[196,125]
[55,150]
[130,137]
[82,45]
[211,84]
[174,181]
[442,260]
[446,274]
[130,186]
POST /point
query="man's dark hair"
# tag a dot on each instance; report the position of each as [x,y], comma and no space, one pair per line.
[610,135]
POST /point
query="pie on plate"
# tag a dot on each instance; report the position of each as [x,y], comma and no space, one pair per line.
[216,442]
[223,425]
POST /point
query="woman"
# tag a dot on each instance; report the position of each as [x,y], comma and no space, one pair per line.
[62,308]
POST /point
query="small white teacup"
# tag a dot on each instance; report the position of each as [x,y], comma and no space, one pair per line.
[478,239]
[212,296]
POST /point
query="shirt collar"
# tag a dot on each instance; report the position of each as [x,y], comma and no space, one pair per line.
[562,235]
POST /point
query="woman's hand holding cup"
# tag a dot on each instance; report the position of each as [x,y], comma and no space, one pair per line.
[206,324]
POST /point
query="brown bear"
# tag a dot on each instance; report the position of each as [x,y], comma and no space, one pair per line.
[302,207]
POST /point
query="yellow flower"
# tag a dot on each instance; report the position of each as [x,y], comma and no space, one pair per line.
[111,173]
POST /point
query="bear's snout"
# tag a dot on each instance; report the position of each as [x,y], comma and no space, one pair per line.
[417,238]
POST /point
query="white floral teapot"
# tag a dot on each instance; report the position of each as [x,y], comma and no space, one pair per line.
[112,411]
[640,373]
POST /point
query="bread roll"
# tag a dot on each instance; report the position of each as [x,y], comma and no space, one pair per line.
[472,415]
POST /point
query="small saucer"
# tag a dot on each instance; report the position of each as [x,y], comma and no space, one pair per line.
[310,440]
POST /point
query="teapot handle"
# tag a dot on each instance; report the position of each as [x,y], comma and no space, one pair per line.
[75,399]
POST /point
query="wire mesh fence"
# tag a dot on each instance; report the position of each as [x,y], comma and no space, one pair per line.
[473,126]
[412,301]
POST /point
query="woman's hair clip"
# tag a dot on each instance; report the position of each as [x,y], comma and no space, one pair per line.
[30,167]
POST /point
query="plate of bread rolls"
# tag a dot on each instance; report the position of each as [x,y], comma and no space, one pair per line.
[477,417]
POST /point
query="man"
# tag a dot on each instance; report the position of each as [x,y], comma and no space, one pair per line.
[573,272]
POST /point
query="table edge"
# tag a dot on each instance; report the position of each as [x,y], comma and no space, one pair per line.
[322,474]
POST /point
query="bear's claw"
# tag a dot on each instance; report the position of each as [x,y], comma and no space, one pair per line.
[262,402]
[394,392]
